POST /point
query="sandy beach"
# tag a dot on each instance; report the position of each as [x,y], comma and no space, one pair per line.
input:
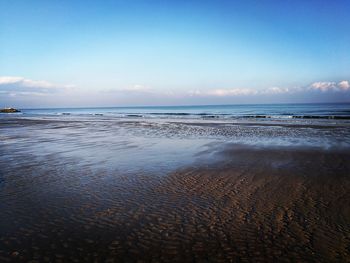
[192,191]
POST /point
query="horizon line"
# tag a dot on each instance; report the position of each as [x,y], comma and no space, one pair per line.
[184,105]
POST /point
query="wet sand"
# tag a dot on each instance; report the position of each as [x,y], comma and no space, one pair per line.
[235,203]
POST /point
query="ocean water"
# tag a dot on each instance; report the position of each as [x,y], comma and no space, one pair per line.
[269,111]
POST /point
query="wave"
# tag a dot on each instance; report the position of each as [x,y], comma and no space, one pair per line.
[134,115]
[172,113]
[202,115]
[322,117]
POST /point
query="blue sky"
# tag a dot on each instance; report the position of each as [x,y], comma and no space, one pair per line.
[110,53]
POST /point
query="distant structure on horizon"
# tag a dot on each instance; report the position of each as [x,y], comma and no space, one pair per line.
[9,110]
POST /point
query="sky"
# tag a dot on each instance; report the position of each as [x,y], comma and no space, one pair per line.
[125,53]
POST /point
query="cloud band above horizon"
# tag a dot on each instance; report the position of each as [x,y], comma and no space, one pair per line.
[17,90]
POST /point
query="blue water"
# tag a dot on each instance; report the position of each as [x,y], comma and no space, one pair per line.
[327,111]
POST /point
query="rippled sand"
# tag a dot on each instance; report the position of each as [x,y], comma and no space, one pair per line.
[63,200]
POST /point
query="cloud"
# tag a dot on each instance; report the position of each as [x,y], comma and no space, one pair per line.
[276,90]
[9,80]
[141,90]
[136,88]
[330,86]
[242,92]
[344,85]
[14,86]
[223,92]
[323,87]
[22,91]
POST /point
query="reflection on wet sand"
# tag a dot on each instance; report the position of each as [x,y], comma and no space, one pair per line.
[236,203]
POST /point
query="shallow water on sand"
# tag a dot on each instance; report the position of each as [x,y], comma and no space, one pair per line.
[104,189]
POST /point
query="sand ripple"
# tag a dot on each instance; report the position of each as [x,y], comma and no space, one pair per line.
[227,212]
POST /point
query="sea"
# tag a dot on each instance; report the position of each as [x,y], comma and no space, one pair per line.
[243,111]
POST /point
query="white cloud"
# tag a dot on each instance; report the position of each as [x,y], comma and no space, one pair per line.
[40,92]
[344,85]
[9,80]
[142,90]
[223,92]
[275,90]
[136,88]
[316,86]
[323,86]
[14,86]
[330,86]
[232,92]
[241,92]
